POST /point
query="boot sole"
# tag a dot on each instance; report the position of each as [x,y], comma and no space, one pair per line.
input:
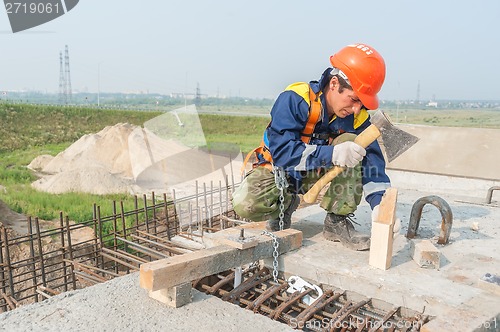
[335,238]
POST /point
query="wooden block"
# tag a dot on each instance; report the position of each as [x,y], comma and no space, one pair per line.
[175,297]
[382,231]
[425,254]
[172,271]
[381,246]
[387,210]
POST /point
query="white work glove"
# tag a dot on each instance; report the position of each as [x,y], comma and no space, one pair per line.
[397,222]
[347,154]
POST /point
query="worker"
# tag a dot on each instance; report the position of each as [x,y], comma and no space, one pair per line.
[297,149]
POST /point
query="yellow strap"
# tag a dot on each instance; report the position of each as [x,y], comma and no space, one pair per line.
[314,114]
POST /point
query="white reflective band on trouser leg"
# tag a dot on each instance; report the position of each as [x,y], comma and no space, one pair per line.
[373,187]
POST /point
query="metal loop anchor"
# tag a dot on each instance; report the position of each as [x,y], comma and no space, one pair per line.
[490,194]
[446,214]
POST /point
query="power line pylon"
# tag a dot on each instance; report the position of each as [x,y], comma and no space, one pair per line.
[197,99]
[68,92]
[62,82]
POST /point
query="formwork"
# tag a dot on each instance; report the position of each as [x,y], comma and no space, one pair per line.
[47,262]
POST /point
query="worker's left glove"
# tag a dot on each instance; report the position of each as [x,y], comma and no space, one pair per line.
[397,222]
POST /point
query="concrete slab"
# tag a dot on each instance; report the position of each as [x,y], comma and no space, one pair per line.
[452,293]
[454,151]
[121,305]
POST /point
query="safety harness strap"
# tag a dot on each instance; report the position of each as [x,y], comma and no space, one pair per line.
[262,150]
[314,116]
[306,134]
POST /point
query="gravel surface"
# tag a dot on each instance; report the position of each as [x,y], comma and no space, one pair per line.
[121,305]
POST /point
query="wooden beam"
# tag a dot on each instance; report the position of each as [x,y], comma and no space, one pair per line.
[176,270]
[382,231]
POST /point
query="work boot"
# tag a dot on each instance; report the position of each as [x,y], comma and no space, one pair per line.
[340,228]
[273,225]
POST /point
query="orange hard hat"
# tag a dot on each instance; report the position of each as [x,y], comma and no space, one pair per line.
[365,71]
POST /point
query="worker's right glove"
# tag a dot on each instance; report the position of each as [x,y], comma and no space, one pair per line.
[347,154]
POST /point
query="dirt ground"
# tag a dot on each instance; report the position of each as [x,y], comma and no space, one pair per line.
[12,220]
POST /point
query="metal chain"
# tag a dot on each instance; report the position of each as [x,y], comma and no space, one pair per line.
[275,254]
[281,184]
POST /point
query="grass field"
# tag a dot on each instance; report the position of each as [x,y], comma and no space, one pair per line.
[478,118]
[28,131]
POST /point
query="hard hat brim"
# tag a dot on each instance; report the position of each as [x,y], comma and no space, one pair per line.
[369,101]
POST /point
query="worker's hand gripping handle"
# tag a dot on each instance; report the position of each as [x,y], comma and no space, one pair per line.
[367,137]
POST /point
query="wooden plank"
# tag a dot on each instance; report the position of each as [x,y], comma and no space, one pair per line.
[382,231]
[177,270]
[387,211]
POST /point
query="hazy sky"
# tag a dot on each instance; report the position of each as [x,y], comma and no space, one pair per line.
[256,48]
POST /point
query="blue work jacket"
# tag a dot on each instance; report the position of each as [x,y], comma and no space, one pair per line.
[289,116]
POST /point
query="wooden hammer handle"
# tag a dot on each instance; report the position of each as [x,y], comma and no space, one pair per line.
[367,137]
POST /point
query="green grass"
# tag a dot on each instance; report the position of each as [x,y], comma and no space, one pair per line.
[244,131]
[18,194]
[77,206]
[27,126]
[477,118]
[28,131]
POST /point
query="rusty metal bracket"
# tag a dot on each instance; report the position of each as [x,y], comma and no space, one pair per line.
[286,304]
[256,279]
[322,302]
[490,194]
[446,214]
[384,319]
[334,323]
[226,280]
[271,291]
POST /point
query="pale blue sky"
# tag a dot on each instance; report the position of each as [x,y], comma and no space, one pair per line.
[256,48]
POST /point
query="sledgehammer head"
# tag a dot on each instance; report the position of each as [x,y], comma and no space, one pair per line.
[396,141]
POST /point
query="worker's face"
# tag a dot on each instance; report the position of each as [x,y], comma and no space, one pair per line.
[341,104]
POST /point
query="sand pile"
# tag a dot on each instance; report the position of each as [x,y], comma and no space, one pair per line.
[129,159]
[96,163]
[90,179]
[108,149]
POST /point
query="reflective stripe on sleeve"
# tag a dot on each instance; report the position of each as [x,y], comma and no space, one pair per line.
[310,149]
